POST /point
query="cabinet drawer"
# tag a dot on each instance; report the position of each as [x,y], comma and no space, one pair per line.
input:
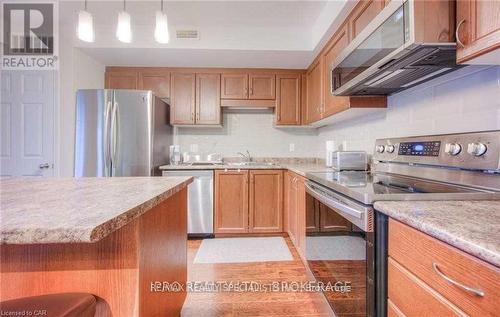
[430,260]
[413,297]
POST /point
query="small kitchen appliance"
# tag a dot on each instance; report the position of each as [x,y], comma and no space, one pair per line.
[349,160]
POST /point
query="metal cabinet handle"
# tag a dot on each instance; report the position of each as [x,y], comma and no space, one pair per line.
[460,43]
[44,165]
[471,290]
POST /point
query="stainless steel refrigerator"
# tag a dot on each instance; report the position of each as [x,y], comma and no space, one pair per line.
[121,133]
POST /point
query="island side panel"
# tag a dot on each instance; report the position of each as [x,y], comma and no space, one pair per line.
[112,268]
[163,256]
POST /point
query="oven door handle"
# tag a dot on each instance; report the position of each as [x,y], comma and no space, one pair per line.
[334,203]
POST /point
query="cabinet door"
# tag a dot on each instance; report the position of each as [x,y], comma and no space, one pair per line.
[314,103]
[479,29]
[208,109]
[182,99]
[121,80]
[312,214]
[262,86]
[301,217]
[266,201]
[231,202]
[334,104]
[291,205]
[234,86]
[156,80]
[332,221]
[362,14]
[288,99]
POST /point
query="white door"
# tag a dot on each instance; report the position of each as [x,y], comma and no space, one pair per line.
[27,123]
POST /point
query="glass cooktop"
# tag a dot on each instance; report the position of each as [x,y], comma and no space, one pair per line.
[369,187]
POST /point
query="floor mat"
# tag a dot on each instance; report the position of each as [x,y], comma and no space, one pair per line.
[242,250]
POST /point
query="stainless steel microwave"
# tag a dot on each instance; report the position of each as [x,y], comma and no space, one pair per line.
[407,43]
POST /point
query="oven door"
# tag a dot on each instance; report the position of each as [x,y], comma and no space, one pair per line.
[340,250]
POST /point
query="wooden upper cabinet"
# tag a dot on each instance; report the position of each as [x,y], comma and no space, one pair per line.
[288,99]
[261,86]
[182,98]
[121,79]
[208,110]
[266,201]
[339,41]
[314,104]
[156,80]
[478,26]
[234,86]
[231,201]
[362,14]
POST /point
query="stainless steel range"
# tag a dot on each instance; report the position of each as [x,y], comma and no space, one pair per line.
[440,167]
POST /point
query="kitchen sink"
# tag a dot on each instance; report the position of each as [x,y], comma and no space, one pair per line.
[251,164]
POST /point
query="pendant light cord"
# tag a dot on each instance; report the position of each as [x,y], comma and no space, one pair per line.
[161,1]
[124,6]
[85,3]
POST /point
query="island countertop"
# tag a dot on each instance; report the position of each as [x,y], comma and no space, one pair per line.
[76,210]
[471,226]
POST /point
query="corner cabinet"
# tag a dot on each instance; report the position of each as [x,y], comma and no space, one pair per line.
[288,99]
[478,32]
[248,201]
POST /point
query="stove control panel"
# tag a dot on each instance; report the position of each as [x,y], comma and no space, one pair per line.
[476,150]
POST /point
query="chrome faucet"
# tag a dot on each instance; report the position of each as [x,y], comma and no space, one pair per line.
[247,156]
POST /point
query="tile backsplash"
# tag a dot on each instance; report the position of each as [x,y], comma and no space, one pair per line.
[463,101]
[251,130]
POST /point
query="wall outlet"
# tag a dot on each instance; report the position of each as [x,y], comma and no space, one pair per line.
[193,148]
[292,147]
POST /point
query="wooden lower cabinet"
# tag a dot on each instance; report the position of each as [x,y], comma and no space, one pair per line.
[312,214]
[331,221]
[231,201]
[419,270]
[266,201]
[295,210]
[248,201]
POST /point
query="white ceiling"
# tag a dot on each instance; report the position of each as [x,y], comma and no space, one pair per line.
[275,34]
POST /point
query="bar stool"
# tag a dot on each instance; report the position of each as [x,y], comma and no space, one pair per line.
[51,305]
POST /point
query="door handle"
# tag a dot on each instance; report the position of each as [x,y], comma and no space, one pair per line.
[44,165]
[459,42]
[474,291]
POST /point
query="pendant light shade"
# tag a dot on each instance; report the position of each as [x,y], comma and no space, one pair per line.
[124,29]
[85,28]
[161,30]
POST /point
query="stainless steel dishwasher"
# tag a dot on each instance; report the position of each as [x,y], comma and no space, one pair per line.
[200,202]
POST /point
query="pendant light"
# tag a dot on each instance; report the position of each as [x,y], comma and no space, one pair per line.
[85,29]
[161,29]
[123,29]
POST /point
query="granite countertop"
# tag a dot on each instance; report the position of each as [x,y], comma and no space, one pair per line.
[73,210]
[296,167]
[471,226]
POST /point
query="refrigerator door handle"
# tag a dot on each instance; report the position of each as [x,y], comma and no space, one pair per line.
[114,134]
[107,157]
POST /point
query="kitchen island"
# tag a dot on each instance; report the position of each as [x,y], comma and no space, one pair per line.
[110,237]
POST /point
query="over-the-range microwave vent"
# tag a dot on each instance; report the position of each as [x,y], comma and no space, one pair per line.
[419,65]
[187,34]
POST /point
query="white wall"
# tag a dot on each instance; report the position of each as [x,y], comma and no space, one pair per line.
[77,71]
[465,100]
[249,130]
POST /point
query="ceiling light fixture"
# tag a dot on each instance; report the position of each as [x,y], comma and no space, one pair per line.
[161,30]
[124,30]
[85,29]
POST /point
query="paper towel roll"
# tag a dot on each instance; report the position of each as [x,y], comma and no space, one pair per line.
[330,148]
